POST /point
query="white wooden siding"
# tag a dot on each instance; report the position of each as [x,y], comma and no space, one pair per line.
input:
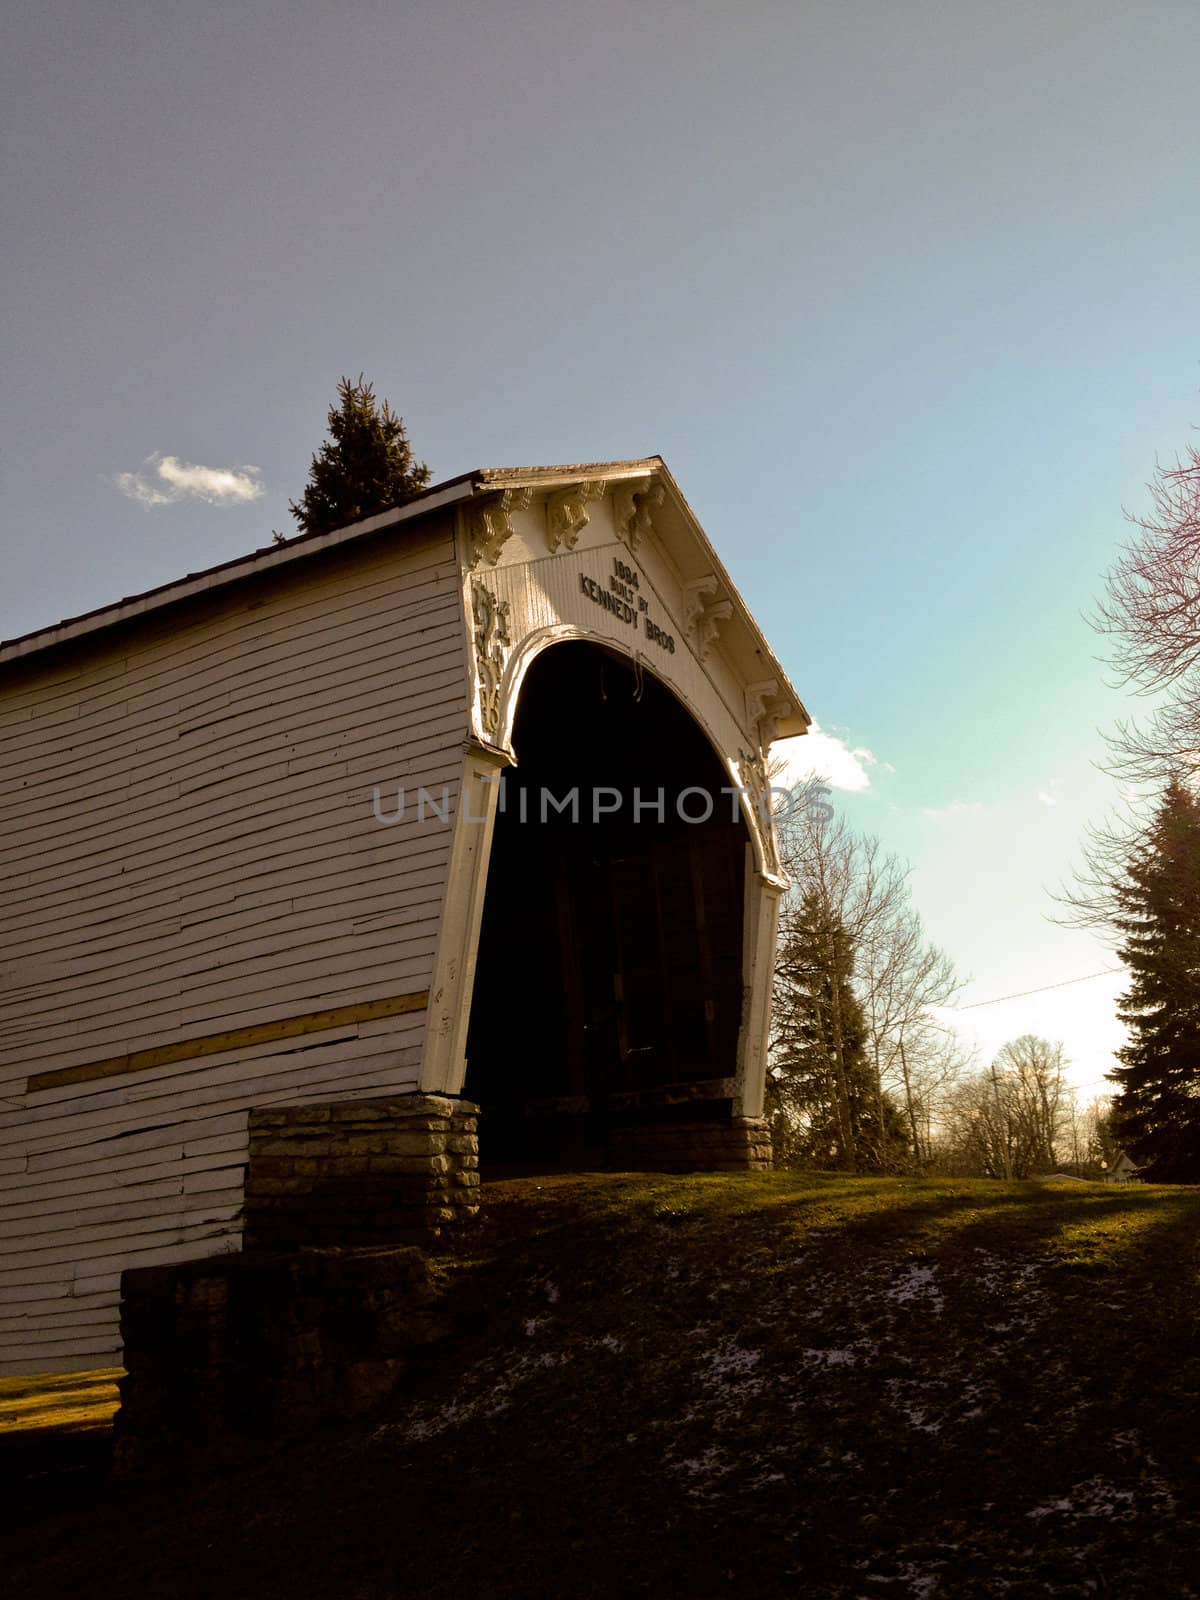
[187,845]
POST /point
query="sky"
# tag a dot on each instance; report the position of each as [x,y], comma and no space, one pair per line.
[904,293]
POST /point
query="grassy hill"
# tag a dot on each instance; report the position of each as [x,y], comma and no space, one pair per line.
[758,1386]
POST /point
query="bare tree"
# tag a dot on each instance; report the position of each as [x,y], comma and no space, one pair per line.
[1011,1121]
[933,1060]
[901,978]
[1035,1070]
[897,978]
[1151,613]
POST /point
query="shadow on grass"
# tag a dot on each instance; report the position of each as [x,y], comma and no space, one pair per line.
[570,1456]
[764,1224]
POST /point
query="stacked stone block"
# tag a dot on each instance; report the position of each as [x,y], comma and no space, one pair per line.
[257,1345]
[741,1144]
[361,1172]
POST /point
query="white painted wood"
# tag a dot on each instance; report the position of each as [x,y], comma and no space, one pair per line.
[189,845]
[97,1110]
[760,925]
[98,1316]
[443,1065]
[220,657]
[389,524]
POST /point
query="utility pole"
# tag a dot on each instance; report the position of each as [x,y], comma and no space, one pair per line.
[1003,1129]
[908,1100]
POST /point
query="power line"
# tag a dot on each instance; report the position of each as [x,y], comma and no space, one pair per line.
[1046,987]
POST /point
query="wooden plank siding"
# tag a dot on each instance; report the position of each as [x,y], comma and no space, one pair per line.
[199,912]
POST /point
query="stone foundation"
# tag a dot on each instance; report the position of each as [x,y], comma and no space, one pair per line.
[258,1345]
[742,1144]
[361,1172]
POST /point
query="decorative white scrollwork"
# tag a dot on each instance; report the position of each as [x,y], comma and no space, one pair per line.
[757,784]
[488,523]
[765,706]
[634,503]
[705,609]
[492,643]
[567,513]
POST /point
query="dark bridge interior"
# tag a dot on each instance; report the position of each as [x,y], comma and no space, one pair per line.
[608,987]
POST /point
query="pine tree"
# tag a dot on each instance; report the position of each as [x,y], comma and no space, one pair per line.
[1157,1111]
[364,467]
[825,1104]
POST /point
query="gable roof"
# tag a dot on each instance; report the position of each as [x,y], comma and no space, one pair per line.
[689,546]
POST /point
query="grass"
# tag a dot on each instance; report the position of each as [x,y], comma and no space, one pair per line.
[71,1402]
[792,1384]
[54,1440]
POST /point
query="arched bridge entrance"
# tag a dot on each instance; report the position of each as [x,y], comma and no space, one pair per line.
[608,990]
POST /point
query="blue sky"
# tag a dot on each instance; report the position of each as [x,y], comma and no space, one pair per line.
[905,294]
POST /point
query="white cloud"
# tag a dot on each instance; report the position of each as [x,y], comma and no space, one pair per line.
[956,808]
[165,480]
[821,755]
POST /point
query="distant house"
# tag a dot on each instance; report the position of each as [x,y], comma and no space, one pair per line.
[1122,1170]
[465,805]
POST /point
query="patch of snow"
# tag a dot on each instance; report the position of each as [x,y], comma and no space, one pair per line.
[916,1419]
[989,1271]
[913,1414]
[420,1428]
[830,1358]
[710,1463]
[1100,1497]
[705,1470]
[729,1363]
[917,1285]
[428,1420]
[920,1582]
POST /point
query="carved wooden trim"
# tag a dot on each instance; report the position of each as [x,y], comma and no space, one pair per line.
[567,513]
[487,520]
[705,609]
[764,708]
[492,643]
[634,503]
[757,783]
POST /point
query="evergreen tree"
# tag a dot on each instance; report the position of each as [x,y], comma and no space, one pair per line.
[824,1102]
[365,466]
[1156,1114]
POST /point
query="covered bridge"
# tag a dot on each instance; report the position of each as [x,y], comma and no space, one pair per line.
[467,800]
